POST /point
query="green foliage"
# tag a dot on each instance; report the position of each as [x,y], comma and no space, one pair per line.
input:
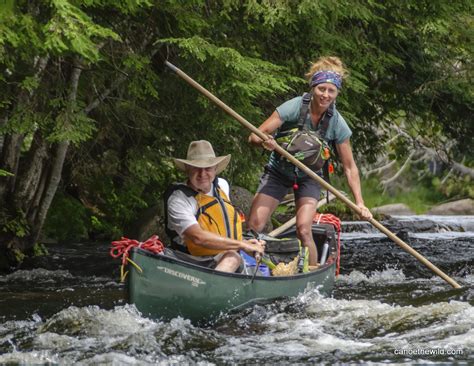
[7,7]
[128,7]
[72,30]
[248,76]
[72,125]
[67,220]
[103,228]
[455,187]
[341,210]
[4,173]
[419,197]
[39,250]
[18,226]
[19,255]
[24,120]
[410,66]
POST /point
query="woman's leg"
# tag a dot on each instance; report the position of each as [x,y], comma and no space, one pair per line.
[262,208]
[305,210]
[269,194]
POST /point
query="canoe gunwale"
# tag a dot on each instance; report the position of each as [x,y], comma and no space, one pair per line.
[183,263]
[320,229]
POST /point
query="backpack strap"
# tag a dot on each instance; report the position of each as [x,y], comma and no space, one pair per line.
[304,110]
[173,235]
[324,124]
[322,133]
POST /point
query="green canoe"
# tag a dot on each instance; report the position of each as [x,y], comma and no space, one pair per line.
[169,285]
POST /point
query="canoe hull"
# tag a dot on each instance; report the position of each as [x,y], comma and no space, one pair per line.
[169,287]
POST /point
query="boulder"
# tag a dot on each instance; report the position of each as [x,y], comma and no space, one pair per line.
[393,209]
[460,207]
[149,222]
[242,199]
[402,226]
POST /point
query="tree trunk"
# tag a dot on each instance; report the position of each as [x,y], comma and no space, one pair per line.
[50,190]
[9,161]
[10,149]
[38,179]
[27,186]
[57,164]
[462,169]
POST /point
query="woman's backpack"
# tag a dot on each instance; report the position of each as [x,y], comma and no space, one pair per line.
[304,144]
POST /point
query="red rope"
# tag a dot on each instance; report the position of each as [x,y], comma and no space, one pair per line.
[121,248]
[336,222]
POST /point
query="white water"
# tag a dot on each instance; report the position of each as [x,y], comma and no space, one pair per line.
[384,311]
[324,329]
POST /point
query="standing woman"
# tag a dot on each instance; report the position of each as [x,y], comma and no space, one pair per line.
[325,79]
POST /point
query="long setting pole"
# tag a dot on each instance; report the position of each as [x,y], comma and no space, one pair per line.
[311,174]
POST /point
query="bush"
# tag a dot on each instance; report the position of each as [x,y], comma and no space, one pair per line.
[67,220]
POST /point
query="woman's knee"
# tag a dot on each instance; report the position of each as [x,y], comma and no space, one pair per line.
[256,222]
[304,231]
[261,210]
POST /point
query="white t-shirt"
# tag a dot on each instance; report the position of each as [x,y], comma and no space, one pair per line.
[182,209]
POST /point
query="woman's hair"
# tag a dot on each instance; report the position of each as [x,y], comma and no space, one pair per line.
[327,63]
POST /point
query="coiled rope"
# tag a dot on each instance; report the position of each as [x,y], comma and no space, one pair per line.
[336,223]
[122,247]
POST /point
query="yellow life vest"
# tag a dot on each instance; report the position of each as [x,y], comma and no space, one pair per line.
[217,215]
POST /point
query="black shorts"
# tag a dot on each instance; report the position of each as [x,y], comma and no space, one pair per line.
[277,185]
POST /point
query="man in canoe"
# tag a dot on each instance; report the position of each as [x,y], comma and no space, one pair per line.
[200,217]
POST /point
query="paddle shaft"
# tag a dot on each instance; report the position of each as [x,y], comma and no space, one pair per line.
[311,174]
[258,260]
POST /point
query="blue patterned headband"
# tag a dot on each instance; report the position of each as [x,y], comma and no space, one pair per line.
[326,77]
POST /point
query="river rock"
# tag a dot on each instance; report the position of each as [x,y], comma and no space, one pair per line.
[415,224]
[460,207]
[149,222]
[393,209]
[358,227]
[242,199]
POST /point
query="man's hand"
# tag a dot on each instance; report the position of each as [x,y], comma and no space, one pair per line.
[254,247]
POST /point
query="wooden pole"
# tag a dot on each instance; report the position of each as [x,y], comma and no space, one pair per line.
[312,174]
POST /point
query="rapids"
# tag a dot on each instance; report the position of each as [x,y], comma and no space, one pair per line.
[70,308]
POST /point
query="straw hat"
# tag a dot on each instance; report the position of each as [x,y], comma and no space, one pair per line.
[202,155]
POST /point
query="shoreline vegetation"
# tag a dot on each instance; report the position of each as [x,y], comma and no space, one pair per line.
[91,117]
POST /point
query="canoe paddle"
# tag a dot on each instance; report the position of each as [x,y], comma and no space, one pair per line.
[311,174]
[258,260]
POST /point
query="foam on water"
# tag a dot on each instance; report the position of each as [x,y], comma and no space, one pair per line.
[375,310]
[94,321]
[445,235]
[388,276]
[90,334]
[325,326]
[37,275]
[312,327]
[30,358]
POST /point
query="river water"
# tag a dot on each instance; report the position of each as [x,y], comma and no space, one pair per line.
[386,308]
